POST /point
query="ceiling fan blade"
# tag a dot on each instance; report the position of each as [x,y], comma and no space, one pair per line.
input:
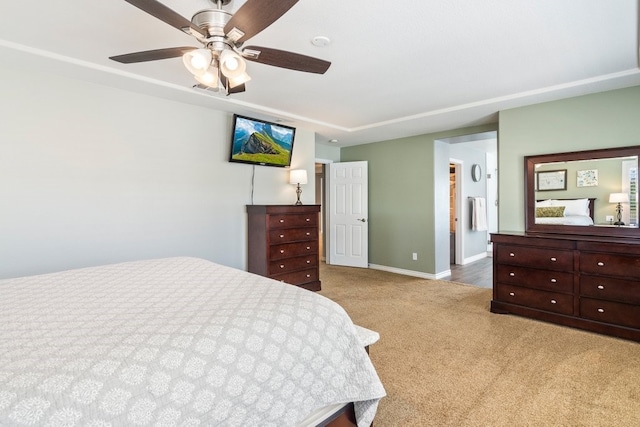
[284,59]
[152,55]
[163,13]
[254,16]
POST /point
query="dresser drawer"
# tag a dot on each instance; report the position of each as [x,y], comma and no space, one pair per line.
[285,235]
[610,264]
[292,264]
[288,250]
[550,280]
[550,259]
[297,277]
[608,288]
[285,221]
[610,312]
[534,298]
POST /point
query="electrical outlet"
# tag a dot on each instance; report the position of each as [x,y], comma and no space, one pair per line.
[415,256]
[609,218]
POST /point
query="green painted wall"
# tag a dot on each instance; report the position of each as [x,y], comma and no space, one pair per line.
[602,120]
[408,192]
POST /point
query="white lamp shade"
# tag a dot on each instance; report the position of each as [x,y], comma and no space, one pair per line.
[232,65]
[197,61]
[298,176]
[235,81]
[209,77]
[618,198]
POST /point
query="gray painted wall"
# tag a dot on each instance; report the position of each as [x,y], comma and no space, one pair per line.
[92,175]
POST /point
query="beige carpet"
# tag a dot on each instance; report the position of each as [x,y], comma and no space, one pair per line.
[445,360]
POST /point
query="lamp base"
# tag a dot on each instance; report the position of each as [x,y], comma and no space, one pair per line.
[619,215]
[298,192]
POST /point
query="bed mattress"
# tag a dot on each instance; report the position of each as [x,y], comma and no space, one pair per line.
[178,341]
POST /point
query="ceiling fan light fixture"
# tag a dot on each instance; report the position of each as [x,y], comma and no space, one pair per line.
[209,77]
[232,65]
[197,61]
[236,81]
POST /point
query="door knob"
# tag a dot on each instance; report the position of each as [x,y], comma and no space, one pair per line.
[362,220]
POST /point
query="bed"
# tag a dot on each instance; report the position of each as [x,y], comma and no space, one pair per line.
[177,341]
[565,211]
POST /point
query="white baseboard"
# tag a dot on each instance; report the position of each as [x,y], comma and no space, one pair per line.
[474,258]
[412,273]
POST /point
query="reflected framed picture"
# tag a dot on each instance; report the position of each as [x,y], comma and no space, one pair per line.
[587,178]
[552,180]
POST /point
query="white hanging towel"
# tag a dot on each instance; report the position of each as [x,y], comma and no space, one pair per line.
[478,214]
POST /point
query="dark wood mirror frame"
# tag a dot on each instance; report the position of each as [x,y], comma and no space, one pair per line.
[530,199]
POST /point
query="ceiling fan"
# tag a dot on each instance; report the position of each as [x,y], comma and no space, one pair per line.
[220,63]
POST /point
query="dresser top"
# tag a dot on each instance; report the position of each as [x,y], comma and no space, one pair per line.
[568,240]
[282,209]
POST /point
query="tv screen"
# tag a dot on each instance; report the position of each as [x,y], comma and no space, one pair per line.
[260,142]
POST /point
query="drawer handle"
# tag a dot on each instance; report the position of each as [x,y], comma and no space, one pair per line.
[308,234]
[553,259]
[308,276]
[281,265]
[601,310]
[282,220]
[308,261]
[308,248]
[554,281]
[512,274]
[600,264]
[281,251]
[512,254]
[282,236]
[512,294]
[308,219]
[554,301]
[601,287]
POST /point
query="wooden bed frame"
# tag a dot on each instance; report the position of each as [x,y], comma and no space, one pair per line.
[345,417]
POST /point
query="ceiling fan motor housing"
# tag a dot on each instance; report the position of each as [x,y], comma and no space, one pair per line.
[212,21]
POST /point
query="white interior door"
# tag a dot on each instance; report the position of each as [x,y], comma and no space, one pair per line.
[347,209]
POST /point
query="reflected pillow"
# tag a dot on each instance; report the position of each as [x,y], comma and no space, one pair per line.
[575,207]
[550,211]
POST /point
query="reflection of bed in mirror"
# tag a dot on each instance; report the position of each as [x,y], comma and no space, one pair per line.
[565,211]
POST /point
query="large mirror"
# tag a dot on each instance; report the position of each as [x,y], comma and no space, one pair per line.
[592,193]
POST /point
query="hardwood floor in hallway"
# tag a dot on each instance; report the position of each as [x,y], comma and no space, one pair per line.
[478,273]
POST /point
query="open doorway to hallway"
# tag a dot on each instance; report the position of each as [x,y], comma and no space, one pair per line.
[319,183]
[455,236]
[467,153]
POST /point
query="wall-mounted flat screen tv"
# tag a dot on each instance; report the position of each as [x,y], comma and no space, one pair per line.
[260,142]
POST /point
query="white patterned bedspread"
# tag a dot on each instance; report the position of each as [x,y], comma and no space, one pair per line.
[177,341]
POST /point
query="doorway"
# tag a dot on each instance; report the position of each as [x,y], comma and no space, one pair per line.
[466,154]
[456,241]
[320,180]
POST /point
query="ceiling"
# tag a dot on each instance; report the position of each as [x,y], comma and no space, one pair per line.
[398,68]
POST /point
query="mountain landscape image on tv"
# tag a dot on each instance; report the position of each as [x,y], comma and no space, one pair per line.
[261,142]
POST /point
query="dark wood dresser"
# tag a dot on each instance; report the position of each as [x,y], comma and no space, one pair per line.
[283,243]
[590,283]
